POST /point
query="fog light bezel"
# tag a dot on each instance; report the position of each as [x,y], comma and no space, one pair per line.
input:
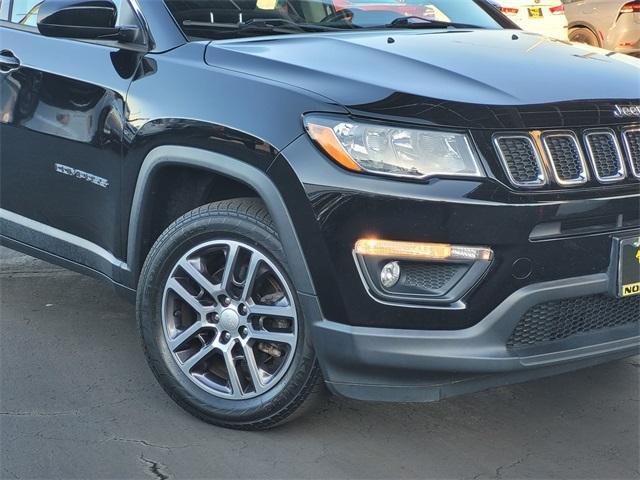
[369,262]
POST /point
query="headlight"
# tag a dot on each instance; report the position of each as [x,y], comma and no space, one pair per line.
[393,151]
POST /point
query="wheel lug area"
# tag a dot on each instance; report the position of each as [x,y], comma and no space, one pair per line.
[242,309]
[214,317]
[244,331]
[226,301]
[226,337]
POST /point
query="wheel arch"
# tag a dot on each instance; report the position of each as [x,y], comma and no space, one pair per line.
[253,178]
[588,26]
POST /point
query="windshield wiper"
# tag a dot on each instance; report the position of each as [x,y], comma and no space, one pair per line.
[263,25]
[414,21]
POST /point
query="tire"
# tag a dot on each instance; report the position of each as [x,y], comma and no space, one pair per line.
[584,35]
[182,314]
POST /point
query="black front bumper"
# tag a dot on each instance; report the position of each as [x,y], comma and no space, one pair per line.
[536,237]
[414,365]
[374,349]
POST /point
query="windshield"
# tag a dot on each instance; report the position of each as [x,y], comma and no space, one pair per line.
[221,19]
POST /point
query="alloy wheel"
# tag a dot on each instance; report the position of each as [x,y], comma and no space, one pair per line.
[229,319]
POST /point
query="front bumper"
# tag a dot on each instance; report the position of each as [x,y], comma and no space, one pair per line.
[412,365]
[376,349]
[558,234]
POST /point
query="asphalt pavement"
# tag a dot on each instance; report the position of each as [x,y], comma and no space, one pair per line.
[78,401]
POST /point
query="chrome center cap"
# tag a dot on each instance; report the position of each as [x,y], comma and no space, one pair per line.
[229,320]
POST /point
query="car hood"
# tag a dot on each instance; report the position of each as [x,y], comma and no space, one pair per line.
[388,72]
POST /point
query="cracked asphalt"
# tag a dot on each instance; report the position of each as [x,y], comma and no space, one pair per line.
[78,401]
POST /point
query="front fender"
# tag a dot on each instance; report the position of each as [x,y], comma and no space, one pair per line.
[227,166]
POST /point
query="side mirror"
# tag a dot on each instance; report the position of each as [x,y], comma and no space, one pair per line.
[83,19]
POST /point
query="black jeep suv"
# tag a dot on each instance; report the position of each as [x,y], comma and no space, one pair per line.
[402,200]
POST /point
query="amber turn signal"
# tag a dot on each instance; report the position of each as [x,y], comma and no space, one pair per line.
[326,138]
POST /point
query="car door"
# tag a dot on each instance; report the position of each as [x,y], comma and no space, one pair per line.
[62,105]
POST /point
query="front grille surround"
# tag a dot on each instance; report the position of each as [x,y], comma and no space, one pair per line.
[595,156]
[535,171]
[631,140]
[568,167]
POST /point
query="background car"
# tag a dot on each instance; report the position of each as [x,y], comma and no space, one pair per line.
[406,8]
[541,16]
[610,24]
[392,5]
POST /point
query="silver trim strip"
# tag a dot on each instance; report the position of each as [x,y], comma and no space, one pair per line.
[627,147]
[622,171]
[148,40]
[583,176]
[63,236]
[542,176]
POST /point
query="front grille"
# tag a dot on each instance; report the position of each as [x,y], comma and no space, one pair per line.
[570,158]
[562,319]
[566,158]
[521,160]
[632,144]
[606,156]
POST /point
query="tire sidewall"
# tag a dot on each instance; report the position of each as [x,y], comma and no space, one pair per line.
[586,32]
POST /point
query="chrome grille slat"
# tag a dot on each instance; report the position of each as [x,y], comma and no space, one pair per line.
[632,146]
[605,156]
[565,157]
[521,160]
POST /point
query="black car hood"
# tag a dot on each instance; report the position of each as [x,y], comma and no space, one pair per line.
[462,77]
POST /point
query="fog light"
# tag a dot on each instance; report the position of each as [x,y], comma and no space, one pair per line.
[390,274]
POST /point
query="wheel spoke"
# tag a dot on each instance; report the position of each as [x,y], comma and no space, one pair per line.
[204,351]
[234,379]
[182,292]
[227,276]
[199,278]
[252,365]
[185,335]
[250,278]
[278,337]
[273,310]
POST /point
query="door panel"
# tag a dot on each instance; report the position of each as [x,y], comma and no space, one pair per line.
[61,121]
